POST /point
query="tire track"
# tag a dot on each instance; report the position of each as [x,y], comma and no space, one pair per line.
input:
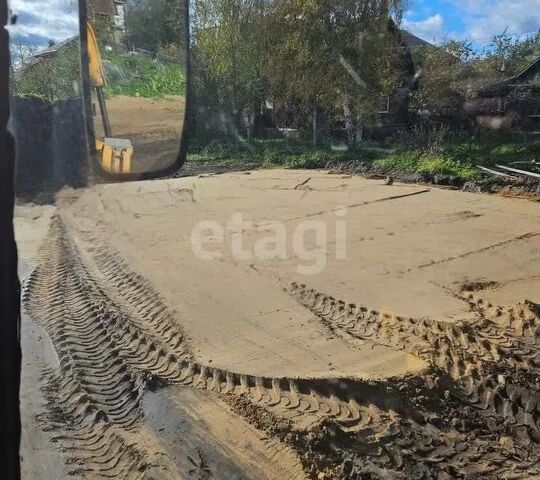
[502,243]
[481,358]
[95,397]
[116,338]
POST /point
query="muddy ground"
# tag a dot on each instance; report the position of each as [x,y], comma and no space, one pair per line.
[392,335]
[154,126]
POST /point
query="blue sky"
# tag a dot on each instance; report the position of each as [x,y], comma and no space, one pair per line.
[475,20]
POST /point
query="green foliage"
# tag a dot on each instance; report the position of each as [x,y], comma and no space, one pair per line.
[102,28]
[420,162]
[447,77]
[139,75]
[334,54]
[270,153]
[229,43]
[338,54]
[155,24]
[337,58]
[507,56]
[454,72]
[454,155]
[458,155]
[50,79]
[331,61]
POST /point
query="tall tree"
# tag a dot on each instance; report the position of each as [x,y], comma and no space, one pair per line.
[228,46]
[338,55]
[508,55]
[312,57]
[155,24]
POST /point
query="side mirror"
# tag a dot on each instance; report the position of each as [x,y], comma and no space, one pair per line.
[99,79]
[135,82]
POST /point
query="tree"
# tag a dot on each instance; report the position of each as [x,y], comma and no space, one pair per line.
[316,59]
[336,55]
[507,56]
[454,72]
[20,51]
[51,79]
[227,50]
[447,77]
[155,24]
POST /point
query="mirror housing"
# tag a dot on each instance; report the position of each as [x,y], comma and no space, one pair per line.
[139,83]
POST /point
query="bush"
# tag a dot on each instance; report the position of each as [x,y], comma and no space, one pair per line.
[51,79]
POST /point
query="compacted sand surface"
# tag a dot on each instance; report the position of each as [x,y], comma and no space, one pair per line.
[154,126]
[335,327]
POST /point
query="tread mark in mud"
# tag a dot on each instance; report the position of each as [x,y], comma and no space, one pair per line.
[115,338]
[493,363]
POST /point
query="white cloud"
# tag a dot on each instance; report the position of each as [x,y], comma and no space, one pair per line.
[485,18]
[430,29]
[47,19]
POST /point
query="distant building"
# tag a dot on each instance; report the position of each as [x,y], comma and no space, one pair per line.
[511,104]
[48,53]
[111,12]
[55,47]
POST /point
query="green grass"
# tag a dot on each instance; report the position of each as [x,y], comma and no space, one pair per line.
[458,159]
[271,153]
[139,75]
[419,162]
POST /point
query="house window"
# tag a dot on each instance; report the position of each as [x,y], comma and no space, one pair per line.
[384,104]
[119,18]
[501,107]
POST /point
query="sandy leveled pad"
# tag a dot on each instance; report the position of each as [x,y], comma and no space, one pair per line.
[409,250]
[145,118]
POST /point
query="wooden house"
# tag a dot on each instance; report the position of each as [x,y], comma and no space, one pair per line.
[511,104]
[109,12]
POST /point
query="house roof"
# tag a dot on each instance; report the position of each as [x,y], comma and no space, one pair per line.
[503,87]
[412,41]
[48,52]
[54,48]
[532,69]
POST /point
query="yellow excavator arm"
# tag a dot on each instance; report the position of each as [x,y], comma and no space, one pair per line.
[97,75]
[116,153]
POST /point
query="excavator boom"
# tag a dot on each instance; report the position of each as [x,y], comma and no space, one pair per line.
[116,153]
